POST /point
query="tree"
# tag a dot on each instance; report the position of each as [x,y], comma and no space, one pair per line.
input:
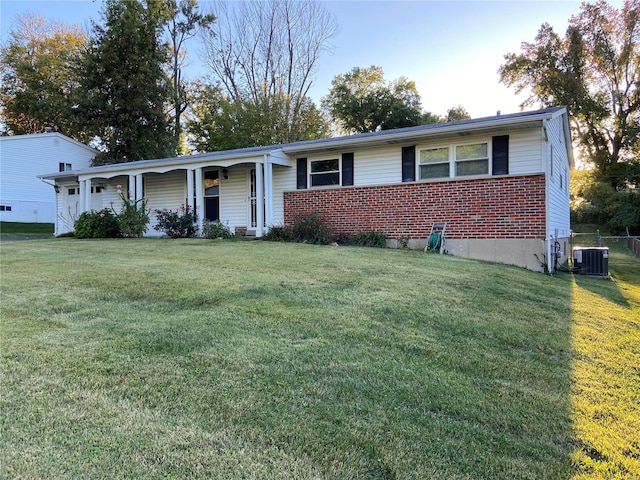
[594,70]
[265,54]
[457,113]
[124,86]
[220,123]
[361,101]
[38,67]
[184,22]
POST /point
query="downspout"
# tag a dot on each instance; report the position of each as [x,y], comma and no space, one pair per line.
[56,189]
[548,239]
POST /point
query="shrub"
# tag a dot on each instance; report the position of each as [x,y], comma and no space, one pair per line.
[279,233]
[403,241]
[133,218]
[307,229]
[311,229]
[343,239]
[370,239]
[216,230]
[92,224]
[178,224]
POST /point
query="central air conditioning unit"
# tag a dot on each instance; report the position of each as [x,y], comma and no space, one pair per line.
[591,261]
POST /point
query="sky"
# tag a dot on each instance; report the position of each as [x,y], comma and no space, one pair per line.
[451,49]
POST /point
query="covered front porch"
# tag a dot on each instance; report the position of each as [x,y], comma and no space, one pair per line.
[234,188]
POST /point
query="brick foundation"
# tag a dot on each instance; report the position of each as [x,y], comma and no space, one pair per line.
[501,207]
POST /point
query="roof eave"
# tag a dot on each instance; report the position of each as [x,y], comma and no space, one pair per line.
[413,135]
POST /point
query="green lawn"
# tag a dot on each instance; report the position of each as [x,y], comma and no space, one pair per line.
[26,230]
[182,359]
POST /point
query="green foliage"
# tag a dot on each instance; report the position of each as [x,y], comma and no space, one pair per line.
[598,202]
[594,70]
[38,68]
[306,229]
[133,217]
[124,87]
[214,230]
[311,229]
[177,224]
[279,233]
[92,224]
[361,101]
[220,123]
[455,114]
[370,239]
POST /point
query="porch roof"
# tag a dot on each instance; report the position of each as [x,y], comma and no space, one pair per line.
[225,158]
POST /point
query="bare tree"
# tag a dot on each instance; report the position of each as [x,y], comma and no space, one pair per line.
[183,23]
[268,49]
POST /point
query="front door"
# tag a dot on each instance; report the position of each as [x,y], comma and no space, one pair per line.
[212,195]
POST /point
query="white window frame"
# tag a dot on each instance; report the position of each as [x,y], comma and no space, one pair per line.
[453,161]
[311,174]
[433,147]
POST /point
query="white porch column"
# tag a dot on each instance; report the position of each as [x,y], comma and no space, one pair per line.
[268,191]
[131,188]
[199,198]
[81,204]
[259,201]
[190,187]
[85,190]
[138,195]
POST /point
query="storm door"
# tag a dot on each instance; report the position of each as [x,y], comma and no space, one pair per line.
[212,195]
[253,199]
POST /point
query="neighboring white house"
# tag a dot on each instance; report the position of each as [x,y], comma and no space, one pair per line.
[23,196]
[500,183]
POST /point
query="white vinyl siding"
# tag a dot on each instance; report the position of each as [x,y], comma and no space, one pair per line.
[555,154]
[24,157]
[167,190]
[283,179]
[526,151]
[234,197]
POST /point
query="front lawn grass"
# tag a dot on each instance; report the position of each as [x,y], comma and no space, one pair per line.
[26,230]
[193,358]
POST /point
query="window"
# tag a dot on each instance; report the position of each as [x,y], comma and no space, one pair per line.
[325,172]
[469,159]
[472,159]
[5,208]
[64,167]
[434,162]
[74,191]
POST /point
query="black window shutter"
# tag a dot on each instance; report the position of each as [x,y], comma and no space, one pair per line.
[408,164]
[301,173]
[347,169]
[501,155]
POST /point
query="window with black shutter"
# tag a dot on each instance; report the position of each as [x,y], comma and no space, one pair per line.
[408,164]
[301,173]
[500,155]
[347,169]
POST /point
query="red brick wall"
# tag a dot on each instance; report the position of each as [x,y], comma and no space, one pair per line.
[504,207]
